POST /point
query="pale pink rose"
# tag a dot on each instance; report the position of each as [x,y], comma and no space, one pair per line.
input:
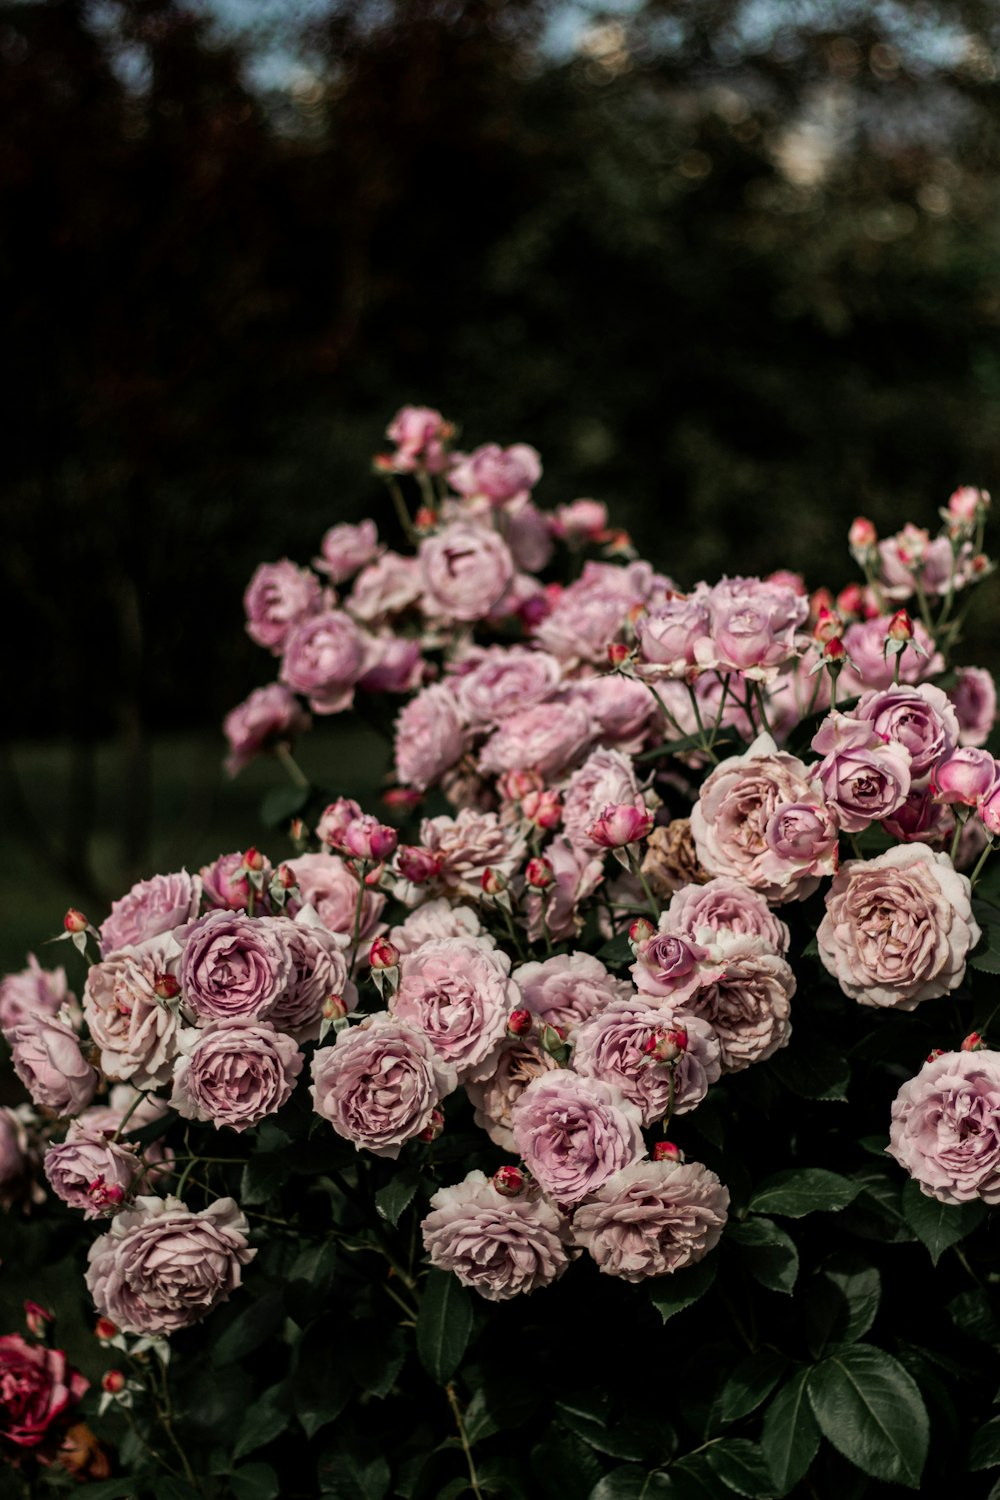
[921,719]
[964,776]
[33,990]
[547,737]
[387,587]
[921,819]
[136,1030]
[324,657]
[49,1061]
[233,967]
[989,809]
[271,716]
[19,1158]
[500,1246]
[151,907]
[863,777]
[469,845]
[435,919]
[746,999]
[568,989]
[623,713]
[225,883]
[592,610]
[912,555]
[620,824]
[804,836]
[557,911]
[327,885]
[898,929]
[521,1059]
[345,549]
[162,1267]
[754,628]
[527,534]
[278,597]
[612,1045]
[319,971]
[723,905]
[730,820]
[864,642]
[502,679]
[668,966]
[945,1127]
[379,1084]
[420,434]
[458,991]
[397,665]
[652,1219]
[429,736]
[466,570]
[974,697]
[606,777]
[668,635]
[235,1073]
[92,1171]
[574,1133]
[105,1119]
[500,474]
[967,503]
[579,522]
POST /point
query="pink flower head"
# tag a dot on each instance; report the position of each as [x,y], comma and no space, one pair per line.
[606,777]
[385,589]
[271,716]
[500,1245]
[667,965]
[466,571]
[620,824]
[669,635]
[324,657]
[574,1133]
[613,1046]
[233,967]
[974,697]
[579,522]
[547,737]
[503,476]
[433,920]
[521,1059]
[369,840]
[328,885]
[989,810]
[37,1388]
[501,680]
[429,736]
[623,712]
[458,992]
[967,503]
[396,665]
[864,778]
[278,597]
[864,643]
[921,719]
[964,776]
[754,627]
[592,610]
[558,910]
[745,996]
[568,989]
[49,1061]
[468,845]
[945,1127]
[420,434]
[152,907]
[345,549]
[334,822]
[319,975]
[33,990]
[92,1171]
[652,1219]
[235,1073]
[723,905]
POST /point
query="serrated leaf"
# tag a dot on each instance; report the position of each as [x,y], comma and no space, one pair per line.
[812,1068]
[841,1303]
[871,1410]
[767,1252]
[444,1325]
[255,1482]
[742,1466]
[790,1437]
[262,1176]
[801,1191]
[984,1450]
[265,1420]
[940,1225]
[395,1198]
[749,1385]
[672,1294]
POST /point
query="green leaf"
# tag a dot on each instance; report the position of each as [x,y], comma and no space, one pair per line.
[984,1450]
[343,1475]
[444,1325]
[994,1493]
[940,1225]
[790,1437]
[616,952]
[803,1190]
[265,1420]
[108,1489]
[262,1176]
[253,1327]
[973,1314]
[766,1251]
[586,1420]
[281,803]
[840,1303]
[813,1068]
[870,1409]
[672,1294]
[374,1356]
[321,1385]
[678,747]
[742,1466]
[877,1211]
[169,1488]
[397,1195]
[749,1385]
[561,1466]
[255,1482]
[631,1482]
[986,958]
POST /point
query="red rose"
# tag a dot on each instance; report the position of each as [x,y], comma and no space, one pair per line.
[36,1387]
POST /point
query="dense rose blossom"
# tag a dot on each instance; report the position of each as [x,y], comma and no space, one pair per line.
[898,929]
[335,820]
[92,1171]
[500,1246]
[324,657]
[435,919]
[395,665]
[745,998]
[151,907]
[863,777]
[945,1127]
[233,967]
[574,1133]
[612,1046]
[467,846]
[652,1219]
[235,1073]
[37,1387]
[319,970]
[106,1118]
[974,698]
[501,475]
[136,1030]
[592,610]
[386,588]
[754,627]
[278,597]
[347,548]
[419,433]
[547,737]
[19,1156]
[32,991]
[49,1061]
[864,642]
[735,807]
[726,905]
[921,818]
[326,884]
[467,569]
[667,965]
[920,719]
[579,522]
[429,736]
[493,683]
[964,776]
[527,534]
[623,712]
[380,1083]
[557,910]
[606,777]
[271,716]
[521,1059]
[566,990]
[225,882]
[458,991]
[162,1267]
[911,556]
[669,635]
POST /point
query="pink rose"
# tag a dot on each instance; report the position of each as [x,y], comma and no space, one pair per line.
[324,657]
[161,1267]
[270,716]
[579,522]
[568,989]
[467,846]
[669,635]
[547,737]
[623,713]
[49,1061]
[92,1171]
[33,990]
[380,1083]
[37,1387]
[863,778]
[278,597]
[723,905]
[396,665]
[419,433]
[500,1246]
[652,1219]
[864,642]
[327,885]
[620,824]
[557,911]
[898,929]
[467,570]
[501,680]
[920,719]
[435,919]
[591,611]
[233,967]
[429,736]
[527,534]
[612,1046]
[974,698]
[574,1133]
[105,1119]
[459,993]
[501,475]
[804,836]
[964,776]
[225,883]
[385,588]
[319,971]
[345,549]
[151,907]
[668,966]
[135,1028]
[235,1073]
[989,810]
[920,819]
[754,628]
[606,777]
[521,1059]
[945,1127]
[746,999]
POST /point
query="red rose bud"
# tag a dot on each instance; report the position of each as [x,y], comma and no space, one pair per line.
[425,519]
[298,831]
[851,600]
[539,874]
[492,882]
[520,1022]
[834,651]
[104,1329]
[974,1043]
[862,535]
[819,600]
[980,565]
[434,1129]
[543,809]
[74,921]
[104,1196]
[619,653]
[417,865]
[113,1381]
[621,824]
[383,954]
[509,1181]
[667,1151]
[640,930]
[166,987]
[403,797]
[900,627]
[618,544]
[829,626]
[667,1046]
[373,876]
[334,1008]
[38,1319]
[335,821]
[287,878]
[253,860]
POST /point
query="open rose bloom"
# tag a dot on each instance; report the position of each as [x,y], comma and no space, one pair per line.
[617,1000]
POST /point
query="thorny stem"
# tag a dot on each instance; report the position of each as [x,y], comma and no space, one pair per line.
[457,1414]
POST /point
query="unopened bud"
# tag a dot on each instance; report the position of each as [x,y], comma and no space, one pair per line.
[298,831]
[619,824]
[618,544]
[667,1151]
[539,874]
[383,954]
[417,865]
[520,1022]
[900,627]
[433,1129]
[834,651]
[403,797]
[425,519]
[492,882]
[287,878]
[543,809]
[103,1195]
[37,1318]
[967,502]
[851,600]
[113,1381]
[640,930]
[667,1046]
[829,626]
[74,921]
[105,1330]
[935,1053]
[862,535]
[334,1008]
[513,786]
[166,987]
[253,859]
[974,1043]
[619,653]
[509,1181]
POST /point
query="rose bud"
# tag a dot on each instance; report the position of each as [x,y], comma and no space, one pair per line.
[38,1319]
[543,809]
[287,878]
[964,776]
[425,519]
[368,839]
[980,565]
[74,921]
[383,954]
[834,652]
[373,875]
[620,824]
[539,874]
[989,810]
[402,796]
[417,865]
[667,1151]
[520,1022]
[974,1043]
[819,600]
[334,1008]
[966,502]
[113,1381]
[434,1129]
[513,786]
[618,544]
[619,653]
[509,1181]
[492,882]
[104,1196]
[900,627]
[862,535]
[253,860]
[335,821]
[640,931]
[166,987]
[105,1330]
[851,600]
[829,626]
[935,1053]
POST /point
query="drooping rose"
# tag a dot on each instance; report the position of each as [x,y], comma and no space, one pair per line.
[500,1246]
[652,1219]
[37,1386]
[379,1084]
[945,1127]
[150,908]
[574,1133]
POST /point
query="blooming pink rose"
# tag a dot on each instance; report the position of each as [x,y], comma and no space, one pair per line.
[729,822]
[467,846]
[864,642]
[278,597]
[37,1387]
[669,635]
[912,555]
[500,1246]
[547,737]
[496,682]
[921,719]
[92,1171]
[458,991]
[467,569]
[612,1046]
[804,836]
[429,736]
[606,777]
[652,1219]
[385,588]
[19,1157]
[104,1119]
[623,712]
[754,627]
[989,810]
[863,777]
[235,1073]
[920,819]
[723,905]
[945,1127]
[151,907]
[500,474]
[745,998]
[225,883]
[319,971]
[591,611]
[32,990]
[327,885]
[898,929]
[49,1061]
[579,522]
[161,1267]
[135,1028]
[271,716]
[574,1133]
[526,532]
[380,1083]
[568,989]
[324,657]
[620,824]
[233,967]
[435,919]
[964,776]
[420,434]
[521,1059]
[345,549]
[557,910]
[396,665]
[974,697]
[668,966]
